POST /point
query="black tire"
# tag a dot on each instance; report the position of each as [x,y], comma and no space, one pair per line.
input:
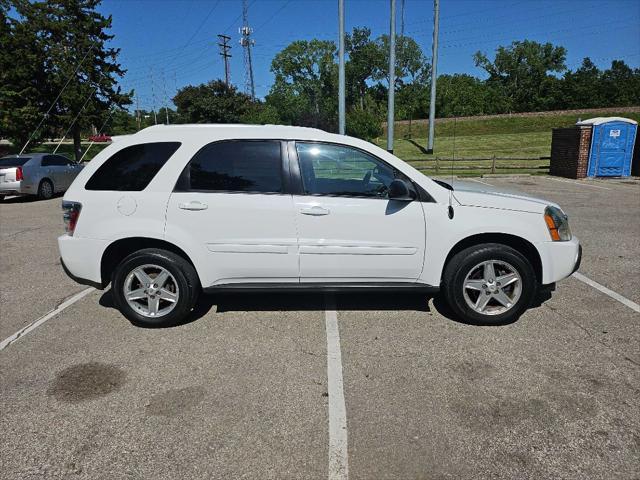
[45,189]
[182,271]
[465,261]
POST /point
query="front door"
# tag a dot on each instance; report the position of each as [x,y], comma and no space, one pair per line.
[349,231]
[611,153]
[231,202]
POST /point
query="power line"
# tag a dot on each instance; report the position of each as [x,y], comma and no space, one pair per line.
[44,117]
[75,118]
[273,15]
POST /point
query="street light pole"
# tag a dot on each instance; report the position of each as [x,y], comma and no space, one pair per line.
[434,76]
[341,96]
[392,76]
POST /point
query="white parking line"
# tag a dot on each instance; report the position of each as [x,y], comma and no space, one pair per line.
[578,183]
[479,181]
[616,296]
[33,325]
[338,457]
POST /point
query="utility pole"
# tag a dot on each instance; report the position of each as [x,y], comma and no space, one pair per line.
[224,53]
[434,76]
[153,99]
[401,18]
[164,88]
[247,43]
[341,96]
[138,110]
[392,76]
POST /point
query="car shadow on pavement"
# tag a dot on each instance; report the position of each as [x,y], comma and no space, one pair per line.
[27,199]
[296,301]
[305,301]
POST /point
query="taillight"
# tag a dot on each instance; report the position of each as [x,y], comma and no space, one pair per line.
[19,175]
[70,215]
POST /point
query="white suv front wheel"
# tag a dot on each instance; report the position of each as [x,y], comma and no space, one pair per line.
[489,284]
[155,288]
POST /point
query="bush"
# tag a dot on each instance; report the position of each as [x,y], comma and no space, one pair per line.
[363,124]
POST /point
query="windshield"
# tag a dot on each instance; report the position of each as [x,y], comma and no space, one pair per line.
[13,161]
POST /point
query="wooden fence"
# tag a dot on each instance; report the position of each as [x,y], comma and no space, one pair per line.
[490,164]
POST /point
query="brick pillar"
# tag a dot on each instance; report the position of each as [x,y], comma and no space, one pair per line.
[584,149]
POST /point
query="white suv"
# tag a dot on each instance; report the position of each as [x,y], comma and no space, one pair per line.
[175,210]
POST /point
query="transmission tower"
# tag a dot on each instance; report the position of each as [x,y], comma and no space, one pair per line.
[224,53]
[247,43]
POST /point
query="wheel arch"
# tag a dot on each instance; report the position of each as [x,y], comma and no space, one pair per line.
[120,249]
[520,244]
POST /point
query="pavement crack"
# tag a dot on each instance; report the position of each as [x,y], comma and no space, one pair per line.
[591,336]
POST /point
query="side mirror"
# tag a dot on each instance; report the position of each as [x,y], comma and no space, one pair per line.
[399,190]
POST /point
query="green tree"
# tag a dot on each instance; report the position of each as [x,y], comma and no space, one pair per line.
[67,40]
[411,64]
[213,102]
[523,72]
[365,58]
[464,95]
[620,85]
[305,87]
[24,88]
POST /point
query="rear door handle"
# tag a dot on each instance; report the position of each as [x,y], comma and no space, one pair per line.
[193,206]
[315,210]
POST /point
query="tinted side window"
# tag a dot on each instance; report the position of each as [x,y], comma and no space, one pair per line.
[55,160]
[342,170]
[64,161]
[132,168]
[235,166]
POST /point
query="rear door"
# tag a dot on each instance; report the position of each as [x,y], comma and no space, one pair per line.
[231,201]
[69,171]
[349,230]
[52,170]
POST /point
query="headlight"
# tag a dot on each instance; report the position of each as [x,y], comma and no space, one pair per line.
[558,224]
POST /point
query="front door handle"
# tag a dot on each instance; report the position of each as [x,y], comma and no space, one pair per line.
[193,206]
[315,210]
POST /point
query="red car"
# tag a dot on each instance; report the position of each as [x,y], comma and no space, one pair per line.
[103,137]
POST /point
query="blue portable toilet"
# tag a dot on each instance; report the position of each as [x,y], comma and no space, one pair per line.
[612,140]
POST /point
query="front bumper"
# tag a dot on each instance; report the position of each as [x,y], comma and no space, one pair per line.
[559,259]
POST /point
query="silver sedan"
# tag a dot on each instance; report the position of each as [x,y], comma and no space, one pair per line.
[41,174]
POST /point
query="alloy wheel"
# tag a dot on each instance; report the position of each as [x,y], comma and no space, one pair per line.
[151,290]
[492,287]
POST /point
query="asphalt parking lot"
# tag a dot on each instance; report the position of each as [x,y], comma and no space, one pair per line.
[242,391]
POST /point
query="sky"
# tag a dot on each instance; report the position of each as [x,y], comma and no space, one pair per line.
[168,44]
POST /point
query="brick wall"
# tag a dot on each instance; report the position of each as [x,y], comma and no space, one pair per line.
[570,151]
[584,151]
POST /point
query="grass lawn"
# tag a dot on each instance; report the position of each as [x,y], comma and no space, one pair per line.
[507,137]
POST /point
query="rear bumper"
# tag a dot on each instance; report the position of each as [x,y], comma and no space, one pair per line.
[559,259]
[81,259]
[11,188]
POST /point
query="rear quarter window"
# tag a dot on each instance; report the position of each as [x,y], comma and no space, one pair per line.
[132,168]
[13,161]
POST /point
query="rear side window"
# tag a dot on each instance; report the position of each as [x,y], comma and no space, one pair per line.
[55,161]
[235,166]
[13,161]
[132,168]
